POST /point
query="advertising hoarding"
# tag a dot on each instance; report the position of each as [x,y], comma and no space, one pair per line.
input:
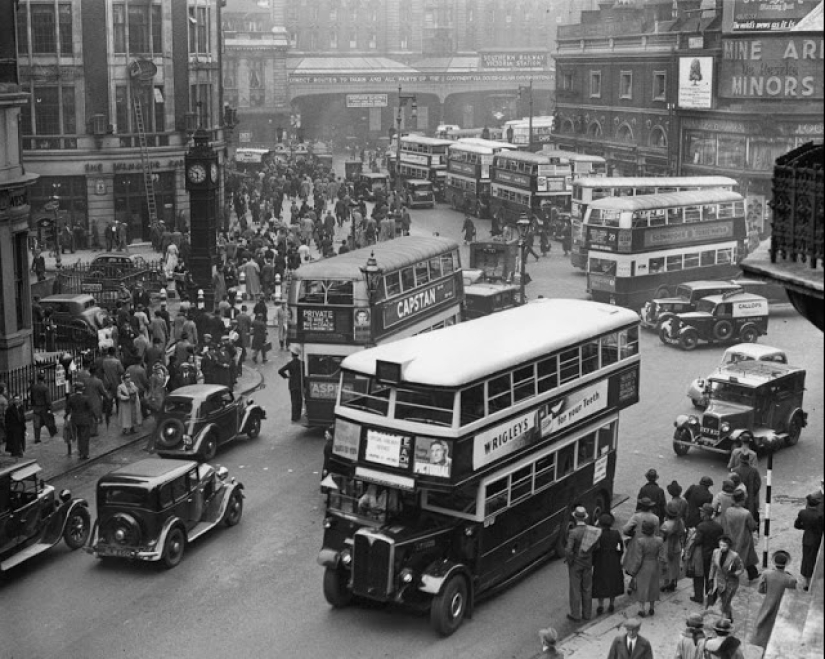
[696,82]
[748,16]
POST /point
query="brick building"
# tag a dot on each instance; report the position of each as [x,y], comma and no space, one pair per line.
[116,89]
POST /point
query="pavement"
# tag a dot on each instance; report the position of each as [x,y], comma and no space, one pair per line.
[51,455]
[593,640]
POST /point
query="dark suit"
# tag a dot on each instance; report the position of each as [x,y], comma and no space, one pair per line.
[15,430]
[809,521]
[79,408]
[641,648]
[292,371]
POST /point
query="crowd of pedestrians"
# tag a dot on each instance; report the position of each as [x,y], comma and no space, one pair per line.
[706,536]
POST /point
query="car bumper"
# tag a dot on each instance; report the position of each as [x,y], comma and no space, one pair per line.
[187,454]
[129,553]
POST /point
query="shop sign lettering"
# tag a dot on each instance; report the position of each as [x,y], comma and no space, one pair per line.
[318,320]
[420,78]
[323,390]
[513,60]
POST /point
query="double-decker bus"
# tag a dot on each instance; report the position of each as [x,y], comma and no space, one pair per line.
[495,134]
[337,306]
[459,456]
[424,158]
[589,189]
[468,173]
[524,182]
[542,132]
[640,248]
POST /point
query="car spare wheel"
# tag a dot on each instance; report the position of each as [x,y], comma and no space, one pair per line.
[170,433]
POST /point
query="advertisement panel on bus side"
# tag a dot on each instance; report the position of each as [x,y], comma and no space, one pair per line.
[407,307]
[511,178]
[324,325]
[628,241]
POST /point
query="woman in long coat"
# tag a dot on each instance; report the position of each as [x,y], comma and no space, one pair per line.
[673,531]
[253,278]
[16,427]
[128,409]
[608,580]
[772,584]
[633,527]
[651,552]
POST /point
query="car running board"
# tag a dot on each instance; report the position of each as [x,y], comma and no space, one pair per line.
[199,529]
[26,554]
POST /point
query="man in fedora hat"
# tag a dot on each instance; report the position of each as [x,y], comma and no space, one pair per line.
[696,496]
[578,555]
[700,551]
[724,645]
[772,584]
[630,645]
[692,640]
[656,494]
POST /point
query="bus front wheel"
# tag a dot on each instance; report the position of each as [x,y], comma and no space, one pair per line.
[449,607]
[335,588]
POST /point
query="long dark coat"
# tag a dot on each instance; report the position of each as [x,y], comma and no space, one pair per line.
[15,429]
[608,579]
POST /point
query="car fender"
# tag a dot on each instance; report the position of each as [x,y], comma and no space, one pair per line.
[329,557]
[93,537]
[250,410]
[685,327]
[168,525]
[741,433]
[802,413]
[229,490]
[66,510]
[683,423]
[198,440]
[437,574]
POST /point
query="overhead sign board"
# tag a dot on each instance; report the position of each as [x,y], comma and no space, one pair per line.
[744,16]
[366,100]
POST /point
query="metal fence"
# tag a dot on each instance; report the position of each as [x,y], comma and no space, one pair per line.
[63,337]
[20,380]
[103,283]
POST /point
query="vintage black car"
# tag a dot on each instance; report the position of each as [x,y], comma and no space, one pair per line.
[760,402]
[78,316]
[33,519]
[718,319]
[688,294]
[151,509]
[198,418]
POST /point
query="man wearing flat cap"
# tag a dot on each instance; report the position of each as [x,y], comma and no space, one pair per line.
[700,551]
[772,584]
[630,645]
[578,555]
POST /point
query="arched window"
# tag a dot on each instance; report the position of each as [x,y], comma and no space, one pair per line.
[624,133]
[568,126]
[594,129]
[658,137]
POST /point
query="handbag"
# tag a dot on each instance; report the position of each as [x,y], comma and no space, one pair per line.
[51,426]
[267,346]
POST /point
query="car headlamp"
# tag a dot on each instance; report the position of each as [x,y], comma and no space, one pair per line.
[725,427]
[406,575]
[65,495]
[327,523]
[693,419]
[346,558]
[120,535]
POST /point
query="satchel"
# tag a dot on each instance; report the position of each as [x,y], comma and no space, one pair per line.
[51,426]
[267,346]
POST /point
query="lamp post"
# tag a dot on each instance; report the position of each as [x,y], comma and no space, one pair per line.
[58,261]
[523,225]
[362,329]
[372,273]
[402,101]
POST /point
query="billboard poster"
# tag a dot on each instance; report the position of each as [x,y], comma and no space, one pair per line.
[433,457]
[747,16]
[695,82]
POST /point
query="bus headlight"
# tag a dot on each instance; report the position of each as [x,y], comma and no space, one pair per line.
[346,558]
[406,576]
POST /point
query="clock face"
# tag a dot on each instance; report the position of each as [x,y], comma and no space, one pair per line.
[197,174]
[213,173]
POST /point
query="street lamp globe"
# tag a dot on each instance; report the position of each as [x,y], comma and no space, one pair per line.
[372,273]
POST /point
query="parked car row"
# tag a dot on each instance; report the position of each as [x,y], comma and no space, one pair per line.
[149,510]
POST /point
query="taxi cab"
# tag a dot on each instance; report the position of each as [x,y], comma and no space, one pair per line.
[370,183]
[418,192]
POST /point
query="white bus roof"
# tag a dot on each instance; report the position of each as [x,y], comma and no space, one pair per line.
[525,156]
[491,145]
[461,354]
[390,255]
[422,139]
[651,181]
[468,147]
[665,200]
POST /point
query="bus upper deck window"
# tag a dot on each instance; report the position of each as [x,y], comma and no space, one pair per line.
[472,404]
[392,284]
[657,265]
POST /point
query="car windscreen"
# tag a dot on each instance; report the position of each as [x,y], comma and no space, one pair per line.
[122,495]
[177,406]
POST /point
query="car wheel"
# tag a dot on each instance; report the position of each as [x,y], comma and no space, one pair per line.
[749,334]
[78,525]
[680,449]
[723,330]
[689,340]
[234,510]
[254,427]
[794,430]
[662,291]
[173,548]
[698,403]
[210,447]
[336,591]
[170,433]
[448,608]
